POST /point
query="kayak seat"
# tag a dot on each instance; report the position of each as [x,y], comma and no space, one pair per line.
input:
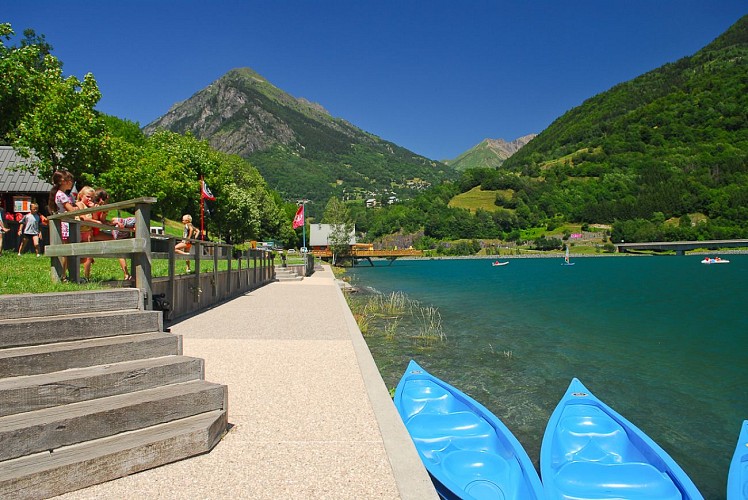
[593,480]
[425,396]
[485,475]
[587,433]
[437,434]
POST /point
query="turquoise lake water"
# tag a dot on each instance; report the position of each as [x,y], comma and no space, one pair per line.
[662,340]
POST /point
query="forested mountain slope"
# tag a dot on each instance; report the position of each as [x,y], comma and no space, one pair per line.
[298,147]
[671,142]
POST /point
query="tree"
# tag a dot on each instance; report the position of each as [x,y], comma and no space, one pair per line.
[337,215]
[47,116]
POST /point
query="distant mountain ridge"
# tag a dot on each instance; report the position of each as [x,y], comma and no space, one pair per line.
[298,147]
[489,153]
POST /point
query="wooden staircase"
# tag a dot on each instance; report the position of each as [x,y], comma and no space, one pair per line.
[92,389]
[286,274]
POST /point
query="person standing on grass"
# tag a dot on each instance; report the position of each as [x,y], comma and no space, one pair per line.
[3,228]
[101,197]
[85,200]
[189,232]
[31,228]
[59,203]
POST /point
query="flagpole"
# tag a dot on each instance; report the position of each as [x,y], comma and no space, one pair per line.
[303,226]
[202,209]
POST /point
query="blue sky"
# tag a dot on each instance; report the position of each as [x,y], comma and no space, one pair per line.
[436,76]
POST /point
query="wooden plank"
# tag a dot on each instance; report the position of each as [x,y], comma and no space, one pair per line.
[23,394]
[35,331]
[51,304]
[120,205]
[52,428]
[112,248]
[34,360]
[67,469]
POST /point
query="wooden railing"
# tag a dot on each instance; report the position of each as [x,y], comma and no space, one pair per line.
[138,248]
[183,293]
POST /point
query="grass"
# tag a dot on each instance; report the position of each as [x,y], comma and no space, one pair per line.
[477,198]
[29,274]
[396,316]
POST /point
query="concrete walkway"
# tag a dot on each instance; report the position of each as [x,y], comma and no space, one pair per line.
[311,415]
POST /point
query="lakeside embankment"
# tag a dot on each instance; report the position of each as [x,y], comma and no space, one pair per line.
[560,255]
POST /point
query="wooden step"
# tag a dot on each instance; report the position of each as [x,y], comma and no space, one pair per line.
[51,304]
[44,475]
[51,428]
[34,360]
[35,331]
[35,392]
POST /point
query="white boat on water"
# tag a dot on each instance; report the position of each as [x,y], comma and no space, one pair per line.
[567,261]
[715,260]
[497,263]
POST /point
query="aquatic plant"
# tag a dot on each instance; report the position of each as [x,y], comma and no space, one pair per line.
[390,328]
[430,325]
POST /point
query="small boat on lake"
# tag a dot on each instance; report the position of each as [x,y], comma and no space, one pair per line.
[466,449]
[590,451]
[497,263]
[715,260]
[737,479]
[567,260]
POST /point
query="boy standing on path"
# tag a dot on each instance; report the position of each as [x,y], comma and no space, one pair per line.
[30,226]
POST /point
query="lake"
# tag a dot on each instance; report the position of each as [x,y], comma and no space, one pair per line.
[663,340]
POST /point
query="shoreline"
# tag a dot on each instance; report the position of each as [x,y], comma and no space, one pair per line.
[560,255]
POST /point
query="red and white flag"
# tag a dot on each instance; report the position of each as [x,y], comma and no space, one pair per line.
[298,219]
[206,194]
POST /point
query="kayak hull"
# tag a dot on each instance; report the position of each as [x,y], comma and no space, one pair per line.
[589,451]
[737,479]
[467,450]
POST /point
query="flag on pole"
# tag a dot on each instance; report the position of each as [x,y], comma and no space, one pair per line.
[206,194]
[298,219]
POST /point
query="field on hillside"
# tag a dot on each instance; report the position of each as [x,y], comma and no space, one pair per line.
[477,198]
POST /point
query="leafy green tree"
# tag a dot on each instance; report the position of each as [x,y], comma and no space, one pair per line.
[49,117]
[337,215]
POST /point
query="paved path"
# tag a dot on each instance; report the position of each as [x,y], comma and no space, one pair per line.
[311,415]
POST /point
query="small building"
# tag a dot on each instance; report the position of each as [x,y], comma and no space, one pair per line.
[319,236]
[18,190]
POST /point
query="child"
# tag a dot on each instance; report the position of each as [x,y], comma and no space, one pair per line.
[101,197]
[190,232]
[85,200]
[3,228]
[60,202]
[30,227]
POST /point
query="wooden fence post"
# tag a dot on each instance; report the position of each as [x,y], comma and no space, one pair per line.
[142,260]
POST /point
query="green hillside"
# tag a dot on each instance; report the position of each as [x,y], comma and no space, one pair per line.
[671,142]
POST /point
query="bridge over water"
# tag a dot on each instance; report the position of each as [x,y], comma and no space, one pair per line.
[356,255]
[680,247]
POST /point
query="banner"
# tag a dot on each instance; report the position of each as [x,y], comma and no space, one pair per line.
[298,219]
[206,194]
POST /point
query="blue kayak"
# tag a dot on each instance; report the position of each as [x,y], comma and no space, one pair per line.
[737,479]
[591,452]
[467,450]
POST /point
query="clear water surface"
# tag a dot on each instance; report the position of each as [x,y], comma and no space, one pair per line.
[662,340]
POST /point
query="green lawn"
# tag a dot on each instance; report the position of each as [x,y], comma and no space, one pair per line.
[477,198]
[29,274]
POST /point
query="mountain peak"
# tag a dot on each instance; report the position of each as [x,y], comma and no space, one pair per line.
[489,153]
[298,147]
